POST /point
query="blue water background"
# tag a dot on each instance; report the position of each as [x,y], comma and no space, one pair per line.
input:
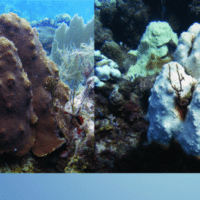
[39,9]
[99,186]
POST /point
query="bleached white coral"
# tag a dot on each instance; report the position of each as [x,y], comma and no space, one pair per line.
[166,122]
[188,50]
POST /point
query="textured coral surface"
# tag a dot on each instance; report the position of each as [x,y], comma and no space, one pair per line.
[16,135]
[30,56]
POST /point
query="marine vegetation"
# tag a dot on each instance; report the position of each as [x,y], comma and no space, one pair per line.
[77,64]
[73,50]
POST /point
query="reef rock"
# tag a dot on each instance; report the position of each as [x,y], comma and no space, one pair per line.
[28,54]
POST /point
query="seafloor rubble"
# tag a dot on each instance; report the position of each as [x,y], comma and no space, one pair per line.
[120,125]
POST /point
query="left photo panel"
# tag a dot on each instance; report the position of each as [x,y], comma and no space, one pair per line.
[46,86]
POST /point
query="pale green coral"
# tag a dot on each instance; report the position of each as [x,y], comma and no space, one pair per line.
[153,50]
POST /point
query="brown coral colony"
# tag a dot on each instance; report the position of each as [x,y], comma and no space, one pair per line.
[27,119]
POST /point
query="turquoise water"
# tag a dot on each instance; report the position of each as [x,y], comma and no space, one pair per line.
[38,10]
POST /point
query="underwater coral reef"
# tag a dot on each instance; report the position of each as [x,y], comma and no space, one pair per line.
[146,86]
[33,101]
[117,94]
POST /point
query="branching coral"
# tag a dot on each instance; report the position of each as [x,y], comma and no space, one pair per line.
[180,78]
[181,102]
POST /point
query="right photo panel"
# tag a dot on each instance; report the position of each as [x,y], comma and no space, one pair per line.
[147,91]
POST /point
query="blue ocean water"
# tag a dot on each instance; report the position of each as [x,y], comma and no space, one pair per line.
[39,9]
